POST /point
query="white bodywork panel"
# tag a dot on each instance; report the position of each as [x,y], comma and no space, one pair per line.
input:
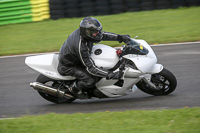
[143,62]
[155,69]
[107,59]
[108,88]
[47,65]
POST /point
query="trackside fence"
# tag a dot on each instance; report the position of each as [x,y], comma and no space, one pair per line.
[17,11]
[81,8]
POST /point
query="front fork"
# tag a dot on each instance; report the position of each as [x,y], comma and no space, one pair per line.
[147,80]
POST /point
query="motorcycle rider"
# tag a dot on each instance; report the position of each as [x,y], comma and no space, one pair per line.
[75,57]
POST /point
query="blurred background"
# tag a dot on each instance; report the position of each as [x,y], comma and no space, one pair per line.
[18,11]
[35,26]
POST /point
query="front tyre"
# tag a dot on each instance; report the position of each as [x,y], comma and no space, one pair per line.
[164,81]
[53,83]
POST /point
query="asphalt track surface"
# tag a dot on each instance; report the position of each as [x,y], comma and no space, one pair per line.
[18,99]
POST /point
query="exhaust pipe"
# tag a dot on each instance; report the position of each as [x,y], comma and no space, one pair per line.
[49,90]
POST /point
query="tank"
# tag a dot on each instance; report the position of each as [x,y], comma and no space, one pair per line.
[104,56]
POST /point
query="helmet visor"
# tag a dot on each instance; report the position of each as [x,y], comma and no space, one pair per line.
[94,34]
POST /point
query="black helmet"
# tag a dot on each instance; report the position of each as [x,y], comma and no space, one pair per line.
[90,29]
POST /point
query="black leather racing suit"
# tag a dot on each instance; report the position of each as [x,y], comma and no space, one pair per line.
[75,60]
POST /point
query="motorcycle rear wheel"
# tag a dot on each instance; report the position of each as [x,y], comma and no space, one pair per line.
[165,82]
[53,83]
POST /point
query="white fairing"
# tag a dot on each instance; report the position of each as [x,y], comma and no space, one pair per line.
[47,65]
[106,58]
[146,65]
[109,88]
[143,62]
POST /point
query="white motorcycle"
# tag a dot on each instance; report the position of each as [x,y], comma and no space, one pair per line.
[137,60]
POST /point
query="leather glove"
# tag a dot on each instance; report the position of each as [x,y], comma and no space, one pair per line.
[124,38]
[115,75]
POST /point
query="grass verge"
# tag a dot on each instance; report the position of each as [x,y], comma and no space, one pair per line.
[158,26]
[185,120]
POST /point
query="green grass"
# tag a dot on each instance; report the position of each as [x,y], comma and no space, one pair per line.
[159,26]
[185,120]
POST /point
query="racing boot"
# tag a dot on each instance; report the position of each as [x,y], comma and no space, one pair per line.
[77,92]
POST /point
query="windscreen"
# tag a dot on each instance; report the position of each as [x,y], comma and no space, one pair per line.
[133,47]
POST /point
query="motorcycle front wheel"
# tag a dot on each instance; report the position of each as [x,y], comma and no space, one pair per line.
[165,82]
[53,83]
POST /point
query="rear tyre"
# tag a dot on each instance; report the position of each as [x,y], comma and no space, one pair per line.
[53,83]
[165,82]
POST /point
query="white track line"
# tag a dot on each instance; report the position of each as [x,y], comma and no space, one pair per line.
[172,44]
[155,45]
[11,56]
[6,118]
